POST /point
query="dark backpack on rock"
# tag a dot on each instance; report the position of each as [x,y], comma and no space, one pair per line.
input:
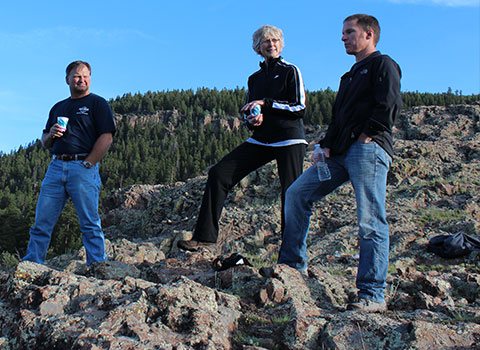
[453,246]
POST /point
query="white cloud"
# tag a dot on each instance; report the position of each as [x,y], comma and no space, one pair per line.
[450,3]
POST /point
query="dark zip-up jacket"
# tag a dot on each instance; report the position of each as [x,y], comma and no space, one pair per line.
[367,101]
[280,85]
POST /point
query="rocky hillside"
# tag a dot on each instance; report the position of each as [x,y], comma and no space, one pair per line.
[152,296]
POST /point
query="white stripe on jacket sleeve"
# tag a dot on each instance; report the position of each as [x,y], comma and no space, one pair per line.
[300,93]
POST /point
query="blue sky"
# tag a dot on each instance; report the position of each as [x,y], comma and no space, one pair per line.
[136,46]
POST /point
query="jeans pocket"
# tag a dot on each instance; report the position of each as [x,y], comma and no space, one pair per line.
[383,157]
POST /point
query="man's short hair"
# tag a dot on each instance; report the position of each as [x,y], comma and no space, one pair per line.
[75,64]
[367,22]
[264,32]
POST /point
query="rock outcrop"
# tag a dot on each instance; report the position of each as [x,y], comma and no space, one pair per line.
[150,295]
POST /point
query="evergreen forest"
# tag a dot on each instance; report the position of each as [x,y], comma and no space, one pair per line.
[161,137]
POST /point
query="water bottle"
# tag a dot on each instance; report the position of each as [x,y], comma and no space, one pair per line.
[322,167]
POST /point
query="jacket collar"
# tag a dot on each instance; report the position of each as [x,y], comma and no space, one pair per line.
[366,60]
[357,65]
[271,62]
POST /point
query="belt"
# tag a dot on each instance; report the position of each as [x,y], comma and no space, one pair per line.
[69,157]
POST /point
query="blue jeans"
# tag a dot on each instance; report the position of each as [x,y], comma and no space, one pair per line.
[366,166]
[65,180]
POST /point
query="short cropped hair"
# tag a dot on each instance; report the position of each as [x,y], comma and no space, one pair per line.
[367,22]
[265,32]
[75,64]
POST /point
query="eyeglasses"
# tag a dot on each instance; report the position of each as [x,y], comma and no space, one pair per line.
[272,40]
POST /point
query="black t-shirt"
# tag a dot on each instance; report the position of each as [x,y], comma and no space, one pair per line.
[88,118]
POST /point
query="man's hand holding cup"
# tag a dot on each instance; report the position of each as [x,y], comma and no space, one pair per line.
[59,128]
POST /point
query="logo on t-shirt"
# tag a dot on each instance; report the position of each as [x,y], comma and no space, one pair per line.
[83,110]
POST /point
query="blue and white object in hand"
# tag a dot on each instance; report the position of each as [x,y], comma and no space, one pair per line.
[256,110]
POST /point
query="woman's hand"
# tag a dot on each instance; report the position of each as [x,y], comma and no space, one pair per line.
[255,120]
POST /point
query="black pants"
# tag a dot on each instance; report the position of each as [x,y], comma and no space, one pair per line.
[234,167]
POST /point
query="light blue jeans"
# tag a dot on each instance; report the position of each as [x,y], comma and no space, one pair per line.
[366,166]
[65,180]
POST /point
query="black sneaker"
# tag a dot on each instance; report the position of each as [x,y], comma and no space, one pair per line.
[193,245]
[220,263]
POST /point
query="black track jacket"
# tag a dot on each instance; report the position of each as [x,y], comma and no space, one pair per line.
[368,101]
[280,85]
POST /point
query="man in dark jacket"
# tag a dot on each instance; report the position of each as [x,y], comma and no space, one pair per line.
[278,134]
[358,147]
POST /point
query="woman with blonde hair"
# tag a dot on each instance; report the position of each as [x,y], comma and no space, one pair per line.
[273,112]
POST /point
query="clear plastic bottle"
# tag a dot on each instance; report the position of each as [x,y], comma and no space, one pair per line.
[322,167]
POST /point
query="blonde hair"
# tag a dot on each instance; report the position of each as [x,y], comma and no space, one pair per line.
[266,32]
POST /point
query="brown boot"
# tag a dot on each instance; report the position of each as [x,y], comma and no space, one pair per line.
[193,245]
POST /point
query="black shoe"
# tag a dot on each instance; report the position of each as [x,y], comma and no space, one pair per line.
[193,245]
[220,263]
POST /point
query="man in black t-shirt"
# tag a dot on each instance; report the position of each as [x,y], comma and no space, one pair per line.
[76,149]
